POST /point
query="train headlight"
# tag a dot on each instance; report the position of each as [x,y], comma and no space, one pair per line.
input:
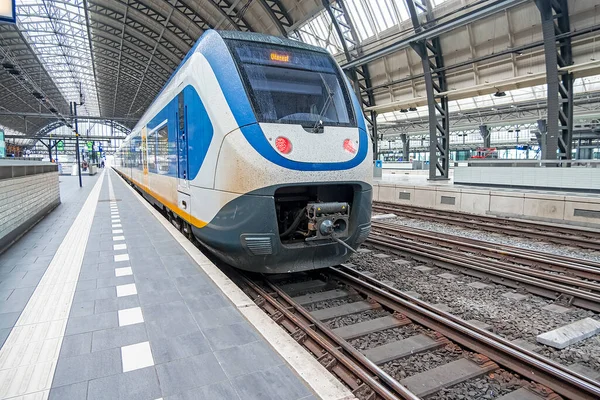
[349,146]
[283,145]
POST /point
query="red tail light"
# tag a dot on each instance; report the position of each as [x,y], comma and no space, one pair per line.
[349,146]
[283,145]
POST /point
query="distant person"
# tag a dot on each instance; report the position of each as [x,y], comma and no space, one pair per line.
[84,165]
[102,164]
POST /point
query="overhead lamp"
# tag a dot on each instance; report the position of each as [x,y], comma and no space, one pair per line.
[37,95]
[499,93]
[404,110]
[14,71]
[53,110]
[412,109]
[8,65]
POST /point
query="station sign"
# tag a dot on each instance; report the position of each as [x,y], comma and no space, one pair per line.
[90,145]
[60,146]
[8,11]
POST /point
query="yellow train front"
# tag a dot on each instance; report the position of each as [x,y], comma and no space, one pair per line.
[257,146]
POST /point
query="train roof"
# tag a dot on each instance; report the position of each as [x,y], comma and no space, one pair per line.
[232,35]
[262,38]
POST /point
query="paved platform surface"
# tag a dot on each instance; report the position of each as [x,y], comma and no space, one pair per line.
[99,301]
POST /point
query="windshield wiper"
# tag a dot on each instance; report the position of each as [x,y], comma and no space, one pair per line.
[328,101]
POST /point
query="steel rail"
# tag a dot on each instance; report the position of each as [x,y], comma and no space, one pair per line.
[497,273]
[578,267]
[582,231]
[585,239]
[381,374]
[527,363]
[332,344]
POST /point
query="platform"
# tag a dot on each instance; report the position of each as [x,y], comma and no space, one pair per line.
[103,299]
[413,188]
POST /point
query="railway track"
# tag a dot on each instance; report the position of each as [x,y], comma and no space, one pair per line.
[565,280]
[307,308]
[559,234]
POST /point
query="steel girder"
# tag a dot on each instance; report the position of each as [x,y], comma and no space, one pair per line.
[234,16]
[360,75]
[559,135]
[432,60]
[278,14]
[485,10]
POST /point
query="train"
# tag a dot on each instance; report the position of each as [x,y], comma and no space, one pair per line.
[257,147]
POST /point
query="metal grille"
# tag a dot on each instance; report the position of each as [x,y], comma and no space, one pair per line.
[259,246]
[404,195]
[449,200]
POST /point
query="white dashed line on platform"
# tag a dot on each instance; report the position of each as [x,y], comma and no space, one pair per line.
[136,356]
[116,231]
[121,246]
[123,271]
[116,226]
[116,238]
[121,257]
[126,290]
[130,316]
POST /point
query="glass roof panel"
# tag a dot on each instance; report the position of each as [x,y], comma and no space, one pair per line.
[516,96]
[57,32]
[369,17]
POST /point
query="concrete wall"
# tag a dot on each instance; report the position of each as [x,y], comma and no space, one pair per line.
[28,191]
[570,209]
[530,177]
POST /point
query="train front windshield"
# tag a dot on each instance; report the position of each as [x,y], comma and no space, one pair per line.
[293,86]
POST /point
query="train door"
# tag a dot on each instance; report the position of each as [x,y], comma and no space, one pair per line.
[183,184]
[144,149]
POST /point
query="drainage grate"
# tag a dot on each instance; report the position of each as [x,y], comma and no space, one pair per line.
[586,213]
[404,195]
[449,200]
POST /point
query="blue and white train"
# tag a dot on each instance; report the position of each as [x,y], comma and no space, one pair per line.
[257,146]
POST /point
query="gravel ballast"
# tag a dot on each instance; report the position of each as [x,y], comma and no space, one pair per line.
[511,319]
[525,243]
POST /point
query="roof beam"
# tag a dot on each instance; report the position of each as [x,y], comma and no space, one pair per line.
[437,30]
[278,14]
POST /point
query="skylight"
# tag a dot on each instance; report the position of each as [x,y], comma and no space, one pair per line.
[57,32]
[369,17]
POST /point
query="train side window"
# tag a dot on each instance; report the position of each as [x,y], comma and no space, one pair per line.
[151,143]
[162,150]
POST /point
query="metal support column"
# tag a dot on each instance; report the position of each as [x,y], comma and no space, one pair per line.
[541,135]
[485,135]
[432,60]
[360,75]
[74,113]
[405,147]
[555,22]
